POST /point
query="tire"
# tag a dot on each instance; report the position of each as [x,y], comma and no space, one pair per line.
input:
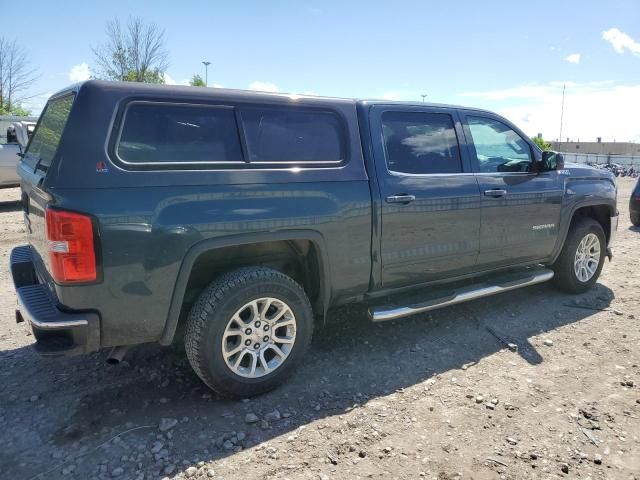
[566,278]
[635,219]
[235,304]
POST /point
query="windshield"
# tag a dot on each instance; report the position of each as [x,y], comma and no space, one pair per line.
[46,137]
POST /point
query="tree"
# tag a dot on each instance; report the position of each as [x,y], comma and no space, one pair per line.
[17,110]
[16,76]
[134,52]
[541,143]
[197,81]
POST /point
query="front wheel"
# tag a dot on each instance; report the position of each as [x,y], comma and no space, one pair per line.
[247,331]
[580,262]
[635,219]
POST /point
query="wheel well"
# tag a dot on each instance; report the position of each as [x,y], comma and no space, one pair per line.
[600,213]
[299,259]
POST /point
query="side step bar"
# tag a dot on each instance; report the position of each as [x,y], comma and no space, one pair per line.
[391,312]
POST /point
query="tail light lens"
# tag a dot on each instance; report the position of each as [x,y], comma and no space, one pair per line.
[71,247]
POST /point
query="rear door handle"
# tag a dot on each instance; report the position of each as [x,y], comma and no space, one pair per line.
[495,192]
[400,199]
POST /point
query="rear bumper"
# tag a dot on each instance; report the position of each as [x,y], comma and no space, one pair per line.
[57,332]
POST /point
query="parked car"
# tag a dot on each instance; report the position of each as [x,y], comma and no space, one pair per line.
[13,144]
[242,217]
[634,205]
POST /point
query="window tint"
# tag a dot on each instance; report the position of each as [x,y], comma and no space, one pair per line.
[420,142]
[160,132]
[292,135]
[498,147]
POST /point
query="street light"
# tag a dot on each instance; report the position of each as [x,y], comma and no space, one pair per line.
[206,73]
[424,95]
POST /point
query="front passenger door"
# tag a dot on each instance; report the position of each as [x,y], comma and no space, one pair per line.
[520,207]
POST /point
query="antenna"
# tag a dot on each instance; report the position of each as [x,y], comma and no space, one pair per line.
[561,116]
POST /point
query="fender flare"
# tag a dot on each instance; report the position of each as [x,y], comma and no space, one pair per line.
[207,245]
[567,224]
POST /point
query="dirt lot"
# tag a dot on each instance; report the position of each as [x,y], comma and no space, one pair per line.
[436,396]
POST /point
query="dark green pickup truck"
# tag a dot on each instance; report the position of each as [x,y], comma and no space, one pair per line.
[239,218]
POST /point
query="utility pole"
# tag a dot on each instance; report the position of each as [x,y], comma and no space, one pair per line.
[424,95]
[206,73]
[561,116]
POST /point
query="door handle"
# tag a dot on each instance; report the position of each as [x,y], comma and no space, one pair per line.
[405,199]
[495,192]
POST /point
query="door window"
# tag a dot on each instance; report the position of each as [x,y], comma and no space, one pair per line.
[420,143]
[498,147]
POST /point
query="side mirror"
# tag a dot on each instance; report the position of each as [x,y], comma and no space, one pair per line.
[552,161]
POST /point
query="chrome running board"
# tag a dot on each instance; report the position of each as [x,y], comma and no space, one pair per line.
[479,290]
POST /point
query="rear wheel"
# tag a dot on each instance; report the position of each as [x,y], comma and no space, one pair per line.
[247,331]
[635,219]
[580,262]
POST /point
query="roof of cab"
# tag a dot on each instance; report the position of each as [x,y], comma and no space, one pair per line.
[199,92]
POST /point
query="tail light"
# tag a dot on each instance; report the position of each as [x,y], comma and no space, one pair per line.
[71,247]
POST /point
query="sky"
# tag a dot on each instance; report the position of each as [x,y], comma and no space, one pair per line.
[509,57]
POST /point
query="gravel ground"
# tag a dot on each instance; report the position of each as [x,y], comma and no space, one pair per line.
[435,396]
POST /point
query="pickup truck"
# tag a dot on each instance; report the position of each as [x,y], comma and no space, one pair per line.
[234,220]
[11,147]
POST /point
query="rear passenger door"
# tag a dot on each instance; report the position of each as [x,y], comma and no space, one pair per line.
[430,202]
[520,207]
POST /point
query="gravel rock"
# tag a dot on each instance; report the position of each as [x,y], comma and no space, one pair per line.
[190,472]
[597,459]
[272,416]
[241,436]
[168,470]
[251,418]
[167,424]
[116,472]
[479,399]
[512,441]
[157,446]
[564,467]
[548,342]
[211,473]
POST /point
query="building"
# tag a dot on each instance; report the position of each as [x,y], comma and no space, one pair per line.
[598,148]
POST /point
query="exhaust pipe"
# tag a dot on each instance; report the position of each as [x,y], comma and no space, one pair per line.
[116,355]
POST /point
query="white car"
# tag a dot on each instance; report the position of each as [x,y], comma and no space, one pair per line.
[14,143]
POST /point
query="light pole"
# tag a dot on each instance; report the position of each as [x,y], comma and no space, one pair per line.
[424,95]
[206,73]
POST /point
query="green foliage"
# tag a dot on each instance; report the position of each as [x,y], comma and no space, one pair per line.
[197,81]
[541,143]
[150,76]
[17,110]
